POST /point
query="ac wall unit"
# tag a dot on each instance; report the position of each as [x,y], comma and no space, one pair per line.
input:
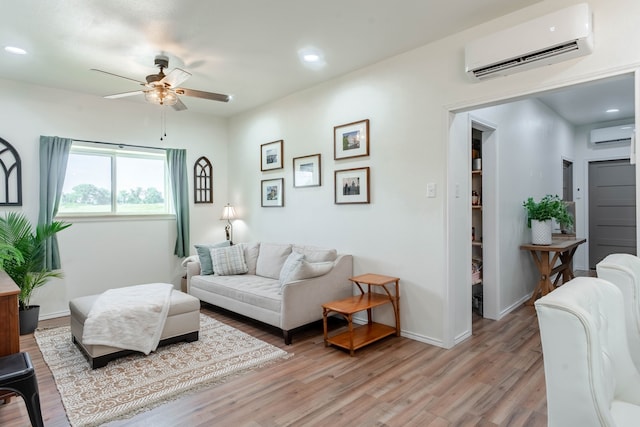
[611,135]
[558,36]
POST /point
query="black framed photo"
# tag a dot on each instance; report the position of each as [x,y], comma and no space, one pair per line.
[352,186]
[351,140]
[272,192]
[306,171]
[271,155]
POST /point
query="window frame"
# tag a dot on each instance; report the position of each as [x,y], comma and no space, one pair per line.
[115,151]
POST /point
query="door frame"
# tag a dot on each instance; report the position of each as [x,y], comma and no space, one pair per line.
[451,336]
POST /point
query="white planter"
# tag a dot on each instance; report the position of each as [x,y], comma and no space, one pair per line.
[540,232]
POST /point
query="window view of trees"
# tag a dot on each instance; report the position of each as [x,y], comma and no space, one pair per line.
[89,194]
[114,182]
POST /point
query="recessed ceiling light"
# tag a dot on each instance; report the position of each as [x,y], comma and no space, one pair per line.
[311,57]
[16,50]
[613,110]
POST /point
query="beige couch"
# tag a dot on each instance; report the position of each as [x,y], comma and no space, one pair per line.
[284,285]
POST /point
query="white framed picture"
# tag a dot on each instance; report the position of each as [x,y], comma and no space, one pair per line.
[272,192]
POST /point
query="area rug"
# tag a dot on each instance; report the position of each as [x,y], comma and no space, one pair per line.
[137,383]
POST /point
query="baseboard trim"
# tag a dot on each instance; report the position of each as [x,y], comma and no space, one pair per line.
[54,315]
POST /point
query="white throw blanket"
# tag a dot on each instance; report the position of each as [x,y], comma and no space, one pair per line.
[130,318]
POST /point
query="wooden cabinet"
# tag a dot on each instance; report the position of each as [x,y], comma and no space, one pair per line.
[357,337]
[9,323]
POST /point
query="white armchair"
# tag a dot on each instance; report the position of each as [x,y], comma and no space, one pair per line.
[590,377]
[623,270]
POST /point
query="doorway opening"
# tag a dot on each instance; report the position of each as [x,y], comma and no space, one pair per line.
[528,156]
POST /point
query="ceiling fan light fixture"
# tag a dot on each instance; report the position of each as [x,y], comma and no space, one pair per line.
[161,96]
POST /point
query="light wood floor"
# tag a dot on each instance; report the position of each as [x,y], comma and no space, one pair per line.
[495,378]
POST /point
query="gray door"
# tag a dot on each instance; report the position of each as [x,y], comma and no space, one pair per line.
[612,209]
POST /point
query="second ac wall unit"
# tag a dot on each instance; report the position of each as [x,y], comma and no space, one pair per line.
[611,135]
[558,36]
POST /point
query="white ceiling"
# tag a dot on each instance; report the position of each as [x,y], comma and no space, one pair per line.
[247,48]
[588,103]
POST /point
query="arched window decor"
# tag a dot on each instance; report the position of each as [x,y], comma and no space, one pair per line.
[10,175]
[203,181]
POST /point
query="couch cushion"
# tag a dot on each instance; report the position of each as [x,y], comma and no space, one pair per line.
[316,254]
[307,270]
[254,290]
[271,259]
[229,260]
[290,265]
[204,255]
[251,251]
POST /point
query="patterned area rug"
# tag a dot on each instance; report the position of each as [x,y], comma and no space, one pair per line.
[137,383]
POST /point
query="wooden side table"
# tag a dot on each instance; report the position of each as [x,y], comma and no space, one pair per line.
[357,337]
[563,251]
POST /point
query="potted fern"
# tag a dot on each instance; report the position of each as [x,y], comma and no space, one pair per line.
[23,250]
[540,214]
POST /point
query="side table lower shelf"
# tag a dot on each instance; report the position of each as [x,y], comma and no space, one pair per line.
[362,335]
[359,336]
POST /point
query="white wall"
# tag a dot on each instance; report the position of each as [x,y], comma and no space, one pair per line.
[406,98]
[98,255]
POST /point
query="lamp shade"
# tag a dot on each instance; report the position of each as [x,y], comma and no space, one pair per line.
[228,213]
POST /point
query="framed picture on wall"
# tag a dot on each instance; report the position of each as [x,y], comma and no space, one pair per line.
[352,186]
[272,192]
[351,140]
[271,155]
[306,171]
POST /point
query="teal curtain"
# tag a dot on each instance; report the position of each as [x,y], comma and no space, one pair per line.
[54,155]
[177,163]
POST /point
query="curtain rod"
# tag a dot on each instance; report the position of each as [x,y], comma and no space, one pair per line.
[119,145]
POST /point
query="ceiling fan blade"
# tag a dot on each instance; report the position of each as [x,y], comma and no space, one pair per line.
[117,75]
[122,95]
[201,94]
[179,106]
[175,77]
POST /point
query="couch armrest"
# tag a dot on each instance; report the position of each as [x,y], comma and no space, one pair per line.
[193,269]
[302,299]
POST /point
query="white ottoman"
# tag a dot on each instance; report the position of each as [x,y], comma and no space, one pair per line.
[183,324]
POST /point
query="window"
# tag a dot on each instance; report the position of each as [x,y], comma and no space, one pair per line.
[118,180]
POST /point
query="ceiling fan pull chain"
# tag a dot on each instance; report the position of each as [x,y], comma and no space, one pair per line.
[163,131]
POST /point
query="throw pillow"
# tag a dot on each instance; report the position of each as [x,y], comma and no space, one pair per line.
[271,259]
[227,261]
[316,254]
[307,270]
[251,251]
[289,266]
[204,255]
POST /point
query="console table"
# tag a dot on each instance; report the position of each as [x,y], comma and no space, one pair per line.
[563,251]
[354,338]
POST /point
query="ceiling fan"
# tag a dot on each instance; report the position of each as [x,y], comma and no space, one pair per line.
[162,89]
